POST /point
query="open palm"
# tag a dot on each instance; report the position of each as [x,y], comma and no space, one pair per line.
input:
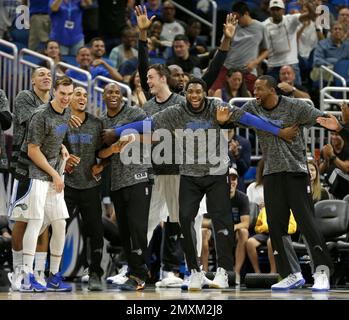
[142,18]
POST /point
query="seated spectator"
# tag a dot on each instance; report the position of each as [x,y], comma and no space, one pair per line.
[235,86]
[66,20]
[335,165]
[126,50]
[240,208]
[287,84]
[239,155]
[53,51]
[98,50]
[171,27]
[197,44]
[98,68]
[329,51]
[138,96]
[319,193]
[189,63]
[343,18]
[156,46]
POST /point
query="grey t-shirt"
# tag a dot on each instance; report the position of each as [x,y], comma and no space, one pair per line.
[199,159]
[25,104]
[47,129]
[279,155]
[151,107]
[84,142]
[125,175]
[246,45]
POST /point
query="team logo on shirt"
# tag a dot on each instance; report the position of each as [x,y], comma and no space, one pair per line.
[140,176]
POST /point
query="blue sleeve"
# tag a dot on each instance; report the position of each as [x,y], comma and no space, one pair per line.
[250,120]
[140,126]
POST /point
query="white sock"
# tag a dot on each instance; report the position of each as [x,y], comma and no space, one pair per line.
[54,264]
[17,257]
[40,261]
[28,260]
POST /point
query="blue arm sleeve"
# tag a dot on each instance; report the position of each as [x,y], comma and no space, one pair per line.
[250,120]
[139,126]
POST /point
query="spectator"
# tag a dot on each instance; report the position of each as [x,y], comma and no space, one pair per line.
[287,84]
[319,193]
[282,34]
[343,18]
[171,27]
[329,51]
[98,50]
[248,48]
[335,165]
[53,51]
[111,21]
[197,44]
[240,208]
[90,21]
[189,63]
[138,96]
[40,23]
[240,156]
[66,19]
[235,86]
[98,68]
[126,50]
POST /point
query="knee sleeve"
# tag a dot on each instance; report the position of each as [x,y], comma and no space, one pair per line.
[31,235]
[57,237]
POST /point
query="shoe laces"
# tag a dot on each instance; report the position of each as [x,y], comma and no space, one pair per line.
[290,279]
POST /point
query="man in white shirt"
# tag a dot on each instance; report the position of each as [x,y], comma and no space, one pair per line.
[282,37]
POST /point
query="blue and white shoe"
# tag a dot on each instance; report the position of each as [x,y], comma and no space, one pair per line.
[55,283]
[30,284]
[292,281]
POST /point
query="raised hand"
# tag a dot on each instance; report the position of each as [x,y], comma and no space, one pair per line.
[142,18]
[289,133]
[223,114]
[229,27]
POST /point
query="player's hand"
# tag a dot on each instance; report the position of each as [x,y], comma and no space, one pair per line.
[289,133]
[108,136]
[223,114]
[330,123]
[142,18]
[345,112]
[75,122]
[58,183]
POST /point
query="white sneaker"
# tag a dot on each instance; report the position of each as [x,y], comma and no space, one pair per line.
[170,280]
[120,278]
[321,282]
[206,282]
[220,280]
[16,278]
[196,280]
[292,281]
[40,277]
[85,276]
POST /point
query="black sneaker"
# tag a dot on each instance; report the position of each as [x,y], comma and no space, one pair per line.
[132,284]
[94,282]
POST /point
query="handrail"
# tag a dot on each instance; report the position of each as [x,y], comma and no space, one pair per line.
[212,25]
[324,93]
[23,62]
[12,80]
[335,74]
[87,83]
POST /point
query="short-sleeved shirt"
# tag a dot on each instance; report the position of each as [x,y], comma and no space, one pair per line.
[240,206]
[47,129]
[279,155]
[282,40]
[210,157]
[246,45]
[125,174]
[84,142]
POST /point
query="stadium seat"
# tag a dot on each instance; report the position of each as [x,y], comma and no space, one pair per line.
[342,68]
[70,60]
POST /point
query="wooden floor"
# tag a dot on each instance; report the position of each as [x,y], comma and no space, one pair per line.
[80,292]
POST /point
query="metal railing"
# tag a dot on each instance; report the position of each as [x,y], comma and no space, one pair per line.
[27,64]
[9,70]
[98,104]
[334,74]
[212,25]
[326,98]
